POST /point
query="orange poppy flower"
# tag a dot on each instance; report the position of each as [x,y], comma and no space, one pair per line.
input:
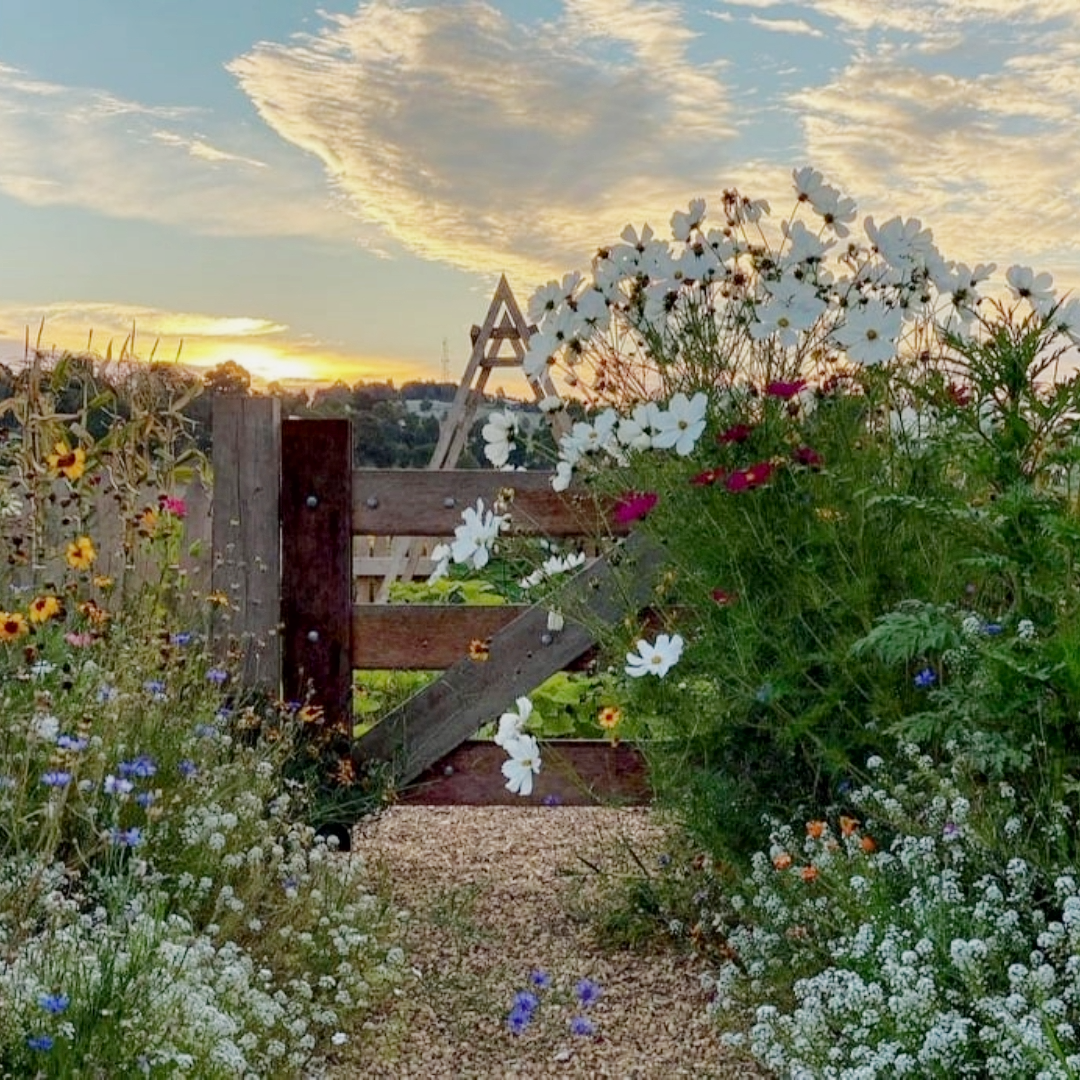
[782,861]
[815,829]
[848,825]
[808,873]
[868,844]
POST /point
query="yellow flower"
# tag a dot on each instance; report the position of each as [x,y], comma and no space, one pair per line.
[218,597]
[12,625]
[94,613]
[44,608]
[81,553]
[609,717]
[480,649]
[103,581]
[66,462]
[148,521]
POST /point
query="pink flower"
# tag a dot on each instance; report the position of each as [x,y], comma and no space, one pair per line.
[80,641]
[739,433]
[172,505]
[633,506]
[755,476]
[785,390]
[723,599]
[804,455]
[709,476]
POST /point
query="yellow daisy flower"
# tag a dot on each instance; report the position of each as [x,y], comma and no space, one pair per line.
[81,553]
[12,625]
[67,462]
[44,608]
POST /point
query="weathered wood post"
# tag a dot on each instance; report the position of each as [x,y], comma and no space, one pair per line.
[245,539]
[316,551]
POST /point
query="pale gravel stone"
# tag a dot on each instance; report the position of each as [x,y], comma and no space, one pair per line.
[486,888]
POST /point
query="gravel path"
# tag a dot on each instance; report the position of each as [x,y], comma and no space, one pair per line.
[491,893]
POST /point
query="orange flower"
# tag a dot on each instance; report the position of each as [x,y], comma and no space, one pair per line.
[808,873]
[782,861]
[345,773]
[868,845]
[44,608]
[311,714]
[815,829]
[94,612]
[218,597]
[848,825]
[81,553]
[69,463]
[480,649]
[609,717]
[148,521]
[12,625]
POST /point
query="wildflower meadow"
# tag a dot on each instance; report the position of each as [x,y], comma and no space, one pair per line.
[856,680]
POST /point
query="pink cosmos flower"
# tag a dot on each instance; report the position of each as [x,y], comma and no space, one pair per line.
[804,455]
[171,505]
[785,390]
[709,476]
[80,641]
[633,506]
[739,433]
[755,476]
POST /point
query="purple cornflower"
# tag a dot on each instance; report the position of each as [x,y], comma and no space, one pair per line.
[56,778]
[188,768]
[40,1042]
[587,992]
[991,628]
[116,785]
[72,742]
[518,1020]
[54,1003]
[926,678]
[182,638]
[551,800]
[155,688]
[142,767]
[145,799]
[127,837]
[525,1000]
[540,979]
[951,831]
[217,675]
[582,1025]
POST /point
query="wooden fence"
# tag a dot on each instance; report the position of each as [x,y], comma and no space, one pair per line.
[288,507]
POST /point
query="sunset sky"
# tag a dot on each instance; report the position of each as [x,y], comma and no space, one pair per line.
[320,189]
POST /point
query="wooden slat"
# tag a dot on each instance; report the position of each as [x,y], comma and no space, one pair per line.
[433,636]
[422,502]
[316,546]
[245,563]
[524,654]
[575,773]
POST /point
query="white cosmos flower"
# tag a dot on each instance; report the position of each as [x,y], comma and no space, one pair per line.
[523,764]
[545,300]
[903,244]
[656,659]
[1037,289]
[440,556]
[564,473]
[809,184]
[792,307]
[913,425]
[543,350]
[551,404]
[637,430]
[868,333]
[683,224]
[499,434]
[512,724]
[803,246]
[682,424]
[1067,319]
[475,536]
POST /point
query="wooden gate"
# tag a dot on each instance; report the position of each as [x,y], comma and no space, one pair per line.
[322,635]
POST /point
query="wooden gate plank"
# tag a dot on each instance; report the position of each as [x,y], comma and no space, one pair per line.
[316,549]
[523,654]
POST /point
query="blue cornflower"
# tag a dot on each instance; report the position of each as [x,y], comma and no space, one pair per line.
[182,638]
[551,800]
[525,1000]
[72,742]
[54,1003]
[926,678]
[40,1042]
[56,778]
[145,799]
[540,979]
[116,785]
[155,688]
[991,628]
[205,731]
[217,676]
[107,693]
[587,992]
[188,768]
[127,837]
[518,1020]
[141,767]
[581,1025]
[223,713]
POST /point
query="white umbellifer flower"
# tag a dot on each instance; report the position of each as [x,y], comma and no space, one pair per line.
[1025,630]
[681,425]
[655,659]
[1036,289]
[868,333]
[475,536]
[512,724]
[523,764]
[339,1038]
[683,224]
[499,434]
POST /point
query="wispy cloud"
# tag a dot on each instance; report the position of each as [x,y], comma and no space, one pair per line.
[67,146]
[785,26]
[477,141]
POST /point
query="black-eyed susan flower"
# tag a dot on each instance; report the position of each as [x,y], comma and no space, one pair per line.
[81,553]
[67,462]
[12,625]
[480,649]
[94,613]
[609,717]
[44,608]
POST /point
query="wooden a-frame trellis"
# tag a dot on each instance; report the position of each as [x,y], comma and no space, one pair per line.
[501,341]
